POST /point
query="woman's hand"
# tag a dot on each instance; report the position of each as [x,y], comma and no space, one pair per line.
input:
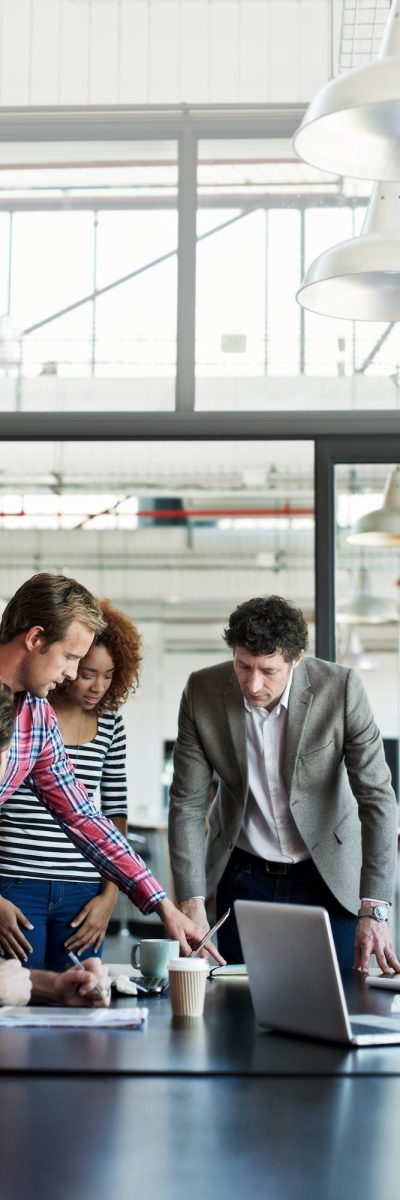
[12,940]
[91,923]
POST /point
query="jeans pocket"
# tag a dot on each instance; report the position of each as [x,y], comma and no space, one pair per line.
[236,871]
[7,885]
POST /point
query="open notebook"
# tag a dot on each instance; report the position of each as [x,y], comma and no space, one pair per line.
[12,1017]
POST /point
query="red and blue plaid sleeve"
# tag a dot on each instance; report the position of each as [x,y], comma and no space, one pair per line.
[53,780]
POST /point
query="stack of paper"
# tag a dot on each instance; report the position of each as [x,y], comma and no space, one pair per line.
[78,1018]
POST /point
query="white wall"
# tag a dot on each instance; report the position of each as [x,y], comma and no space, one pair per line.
[58,52]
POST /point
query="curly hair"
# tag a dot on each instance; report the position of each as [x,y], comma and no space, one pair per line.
[123,641]
[7,715]
[266,625]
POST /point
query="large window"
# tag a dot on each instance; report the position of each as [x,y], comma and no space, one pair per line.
[90,288]
[161,271]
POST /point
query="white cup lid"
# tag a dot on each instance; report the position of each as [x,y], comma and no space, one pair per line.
[188,964]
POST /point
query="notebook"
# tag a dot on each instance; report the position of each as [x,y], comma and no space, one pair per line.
[294,976]
[229,971]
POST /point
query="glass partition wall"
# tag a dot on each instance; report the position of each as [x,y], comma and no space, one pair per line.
[358,568]
[176,533]
[367,593]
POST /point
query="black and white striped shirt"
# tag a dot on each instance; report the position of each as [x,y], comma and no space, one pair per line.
[32,844]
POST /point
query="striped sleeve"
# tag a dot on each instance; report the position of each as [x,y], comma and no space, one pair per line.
[113,783]
[54,782]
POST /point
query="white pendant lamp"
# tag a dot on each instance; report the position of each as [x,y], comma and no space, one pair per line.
[353,654]
[352,127]
[381,527]
[363,608]
[359,280]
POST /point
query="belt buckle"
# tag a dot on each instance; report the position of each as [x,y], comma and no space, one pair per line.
[276,868]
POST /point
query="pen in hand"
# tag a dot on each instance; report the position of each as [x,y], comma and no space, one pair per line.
[77,963]
[209,934]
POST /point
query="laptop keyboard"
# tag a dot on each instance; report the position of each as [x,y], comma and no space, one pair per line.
[378,1025]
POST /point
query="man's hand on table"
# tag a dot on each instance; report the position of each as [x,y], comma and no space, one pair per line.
[15,983]
[188,931]
[373,937]
[73,987]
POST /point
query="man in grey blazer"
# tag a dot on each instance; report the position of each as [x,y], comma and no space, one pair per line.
[304,810]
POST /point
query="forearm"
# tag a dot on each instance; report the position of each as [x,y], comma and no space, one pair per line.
[370,782]
[379,837]
[43,986]
[109,890]
[99,841]
[186,836]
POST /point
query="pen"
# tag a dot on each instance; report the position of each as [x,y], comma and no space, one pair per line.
[77,963]
[210,933]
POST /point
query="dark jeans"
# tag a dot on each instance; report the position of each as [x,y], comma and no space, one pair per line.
[50,905]
[245,878]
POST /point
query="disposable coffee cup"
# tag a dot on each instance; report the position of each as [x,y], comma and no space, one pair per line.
[187,986]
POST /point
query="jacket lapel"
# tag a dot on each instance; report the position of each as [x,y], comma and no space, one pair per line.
[235,715]
[300,701]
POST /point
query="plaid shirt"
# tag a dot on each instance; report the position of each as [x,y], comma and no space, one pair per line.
[37,755]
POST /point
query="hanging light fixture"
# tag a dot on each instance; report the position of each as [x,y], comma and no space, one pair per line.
[352,127]
[381,527]
[353,654]
[363,608]
[359,280]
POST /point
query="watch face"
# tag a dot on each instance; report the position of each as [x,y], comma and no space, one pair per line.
[380,912]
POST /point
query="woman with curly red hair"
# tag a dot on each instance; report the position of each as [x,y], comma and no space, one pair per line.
[57,895]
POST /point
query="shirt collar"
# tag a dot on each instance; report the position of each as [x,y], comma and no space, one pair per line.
[283,702]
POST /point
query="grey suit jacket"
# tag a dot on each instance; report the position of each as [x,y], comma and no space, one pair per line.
[337,781]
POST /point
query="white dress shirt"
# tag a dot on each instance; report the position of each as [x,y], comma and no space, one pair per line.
[268,828]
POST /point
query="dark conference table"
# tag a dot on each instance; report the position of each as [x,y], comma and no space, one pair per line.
[205,1110]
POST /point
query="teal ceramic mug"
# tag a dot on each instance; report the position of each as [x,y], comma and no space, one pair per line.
[152,956]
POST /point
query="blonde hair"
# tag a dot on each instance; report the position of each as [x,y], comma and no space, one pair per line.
[52,601]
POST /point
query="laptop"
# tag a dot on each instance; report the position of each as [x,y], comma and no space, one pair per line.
[294,976]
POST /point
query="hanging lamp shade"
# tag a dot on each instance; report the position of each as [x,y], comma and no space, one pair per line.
[353,654]
[381,527]
[363,608]
[352,127]
[359,280]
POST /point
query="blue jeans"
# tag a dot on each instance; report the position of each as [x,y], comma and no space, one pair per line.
[245,878]
[50,905]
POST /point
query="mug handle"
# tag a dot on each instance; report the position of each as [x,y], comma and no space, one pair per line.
[133,955]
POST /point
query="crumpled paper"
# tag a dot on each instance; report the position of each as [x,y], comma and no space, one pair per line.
[124,985]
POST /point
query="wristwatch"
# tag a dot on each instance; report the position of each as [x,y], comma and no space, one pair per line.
[379,912]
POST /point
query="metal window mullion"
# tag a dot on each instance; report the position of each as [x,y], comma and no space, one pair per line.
[10,262]
[186,299]
[266,292]
[94,310]
[302,310]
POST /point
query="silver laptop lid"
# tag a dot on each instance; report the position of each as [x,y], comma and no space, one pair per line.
[294,975]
